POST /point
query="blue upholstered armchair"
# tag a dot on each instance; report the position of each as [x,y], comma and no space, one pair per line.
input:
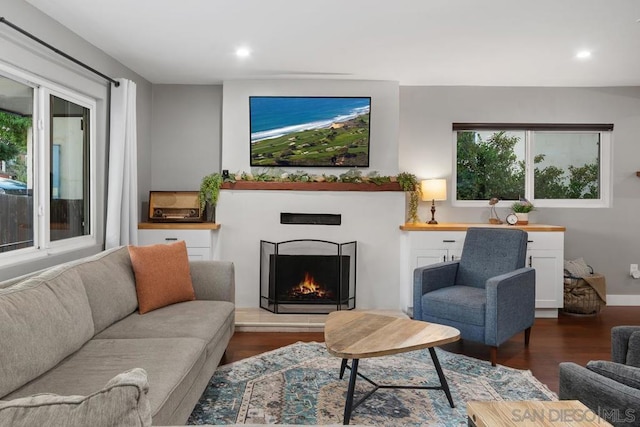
[489,294]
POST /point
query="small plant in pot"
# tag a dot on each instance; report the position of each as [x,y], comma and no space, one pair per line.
[209,192]
[522,208]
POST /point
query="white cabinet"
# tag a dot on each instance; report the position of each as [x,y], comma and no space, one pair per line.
[200,242]
[545,253]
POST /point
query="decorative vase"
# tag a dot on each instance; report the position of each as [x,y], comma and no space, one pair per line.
[523,218]
[209,212]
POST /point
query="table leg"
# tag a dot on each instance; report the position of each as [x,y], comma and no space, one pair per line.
[443,380]
[343,366]
[352,385]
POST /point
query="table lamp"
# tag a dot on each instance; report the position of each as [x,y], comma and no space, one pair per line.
[433,189]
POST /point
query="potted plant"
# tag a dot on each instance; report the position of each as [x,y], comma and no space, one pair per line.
[409,183]
[522,208]
[209,192]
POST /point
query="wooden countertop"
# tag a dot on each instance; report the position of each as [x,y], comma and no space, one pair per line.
[178,226]
[463,226]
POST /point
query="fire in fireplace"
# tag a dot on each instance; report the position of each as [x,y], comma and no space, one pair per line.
[307,276]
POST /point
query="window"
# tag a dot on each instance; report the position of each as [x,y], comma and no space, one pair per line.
[551,165]
[46,167]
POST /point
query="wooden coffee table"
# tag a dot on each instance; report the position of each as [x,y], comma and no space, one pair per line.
[357,335]
[566,413]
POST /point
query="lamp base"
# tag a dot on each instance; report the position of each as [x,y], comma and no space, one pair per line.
[433,221]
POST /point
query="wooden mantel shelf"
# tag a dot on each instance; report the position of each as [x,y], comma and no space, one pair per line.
[311,186]
[178,226]
[423,226]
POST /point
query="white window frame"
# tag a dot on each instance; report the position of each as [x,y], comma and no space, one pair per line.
[606,180]
[43,246]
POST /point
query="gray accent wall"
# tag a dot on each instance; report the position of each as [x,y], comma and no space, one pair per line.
[186,131]
[607,238]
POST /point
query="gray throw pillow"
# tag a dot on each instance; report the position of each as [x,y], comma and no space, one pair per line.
[122,402]
[627,375]
[633,352]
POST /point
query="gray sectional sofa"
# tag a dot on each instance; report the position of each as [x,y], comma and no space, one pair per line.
[71,329]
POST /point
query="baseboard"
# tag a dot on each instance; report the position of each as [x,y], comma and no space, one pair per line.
[631,300]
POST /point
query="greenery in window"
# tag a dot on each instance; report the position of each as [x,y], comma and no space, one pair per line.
[13,142]
[490,167]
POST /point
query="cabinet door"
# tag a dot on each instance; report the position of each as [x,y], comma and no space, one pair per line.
[422,257]
[548,265]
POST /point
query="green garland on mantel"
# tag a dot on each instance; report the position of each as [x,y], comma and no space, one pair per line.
[353,176]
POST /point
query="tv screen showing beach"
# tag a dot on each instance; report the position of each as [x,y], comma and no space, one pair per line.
[309,131]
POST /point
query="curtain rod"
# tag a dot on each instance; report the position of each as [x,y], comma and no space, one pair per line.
[58,51]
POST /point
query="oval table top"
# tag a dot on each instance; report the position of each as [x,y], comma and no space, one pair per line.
[359,334]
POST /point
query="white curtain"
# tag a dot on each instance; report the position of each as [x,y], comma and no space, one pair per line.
[122,197]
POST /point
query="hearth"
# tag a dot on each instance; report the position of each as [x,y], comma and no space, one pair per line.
[307,276]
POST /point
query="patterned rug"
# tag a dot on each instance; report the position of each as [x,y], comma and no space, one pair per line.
[299,384]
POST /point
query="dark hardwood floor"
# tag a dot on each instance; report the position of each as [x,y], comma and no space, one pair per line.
[567,338]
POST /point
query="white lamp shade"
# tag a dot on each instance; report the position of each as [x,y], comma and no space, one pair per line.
[434,189]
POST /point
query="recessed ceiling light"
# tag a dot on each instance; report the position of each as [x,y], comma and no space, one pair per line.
[583,54]
[243,52]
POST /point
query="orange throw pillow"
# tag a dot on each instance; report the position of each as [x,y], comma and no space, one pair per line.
[162,275]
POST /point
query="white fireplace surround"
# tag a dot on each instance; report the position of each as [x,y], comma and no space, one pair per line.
[370,218]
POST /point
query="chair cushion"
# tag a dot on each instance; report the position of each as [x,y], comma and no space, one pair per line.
[162,275]
[490,252]
[121,402]
[627,375]
[463,304]
[633,351]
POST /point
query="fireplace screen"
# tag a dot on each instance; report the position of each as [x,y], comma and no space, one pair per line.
[307,276]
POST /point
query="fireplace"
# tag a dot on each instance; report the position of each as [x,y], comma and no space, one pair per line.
[307,276]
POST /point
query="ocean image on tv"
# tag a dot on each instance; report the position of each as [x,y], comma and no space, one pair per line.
[309,131]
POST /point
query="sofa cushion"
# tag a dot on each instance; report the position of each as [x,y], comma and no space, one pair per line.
[627,375]
[121,402]
[207,320]
[162,275]
[172,364]
[42,320]
[464,304]
[110,285]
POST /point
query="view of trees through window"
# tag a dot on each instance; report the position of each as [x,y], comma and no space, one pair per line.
[566,165]
[13,144]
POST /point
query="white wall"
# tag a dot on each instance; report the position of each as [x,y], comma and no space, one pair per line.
[607,238]
[370,218]
[384,118]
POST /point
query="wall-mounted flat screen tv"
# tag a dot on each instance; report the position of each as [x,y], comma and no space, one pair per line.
[309,131]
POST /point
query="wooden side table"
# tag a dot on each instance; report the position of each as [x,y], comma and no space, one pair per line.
[529,413]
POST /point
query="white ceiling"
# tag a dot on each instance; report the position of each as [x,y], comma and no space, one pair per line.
[414,42]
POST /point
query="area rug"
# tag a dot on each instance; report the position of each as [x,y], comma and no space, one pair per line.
[299,384]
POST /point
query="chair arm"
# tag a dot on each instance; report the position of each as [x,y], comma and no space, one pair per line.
[620,336]
[617,403]
[511,301]
[429,278]
[213,280]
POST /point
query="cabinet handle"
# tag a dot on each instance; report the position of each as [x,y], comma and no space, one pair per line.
[529,241]
[170,238]
[444,258]
[448,241]
[530,260]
